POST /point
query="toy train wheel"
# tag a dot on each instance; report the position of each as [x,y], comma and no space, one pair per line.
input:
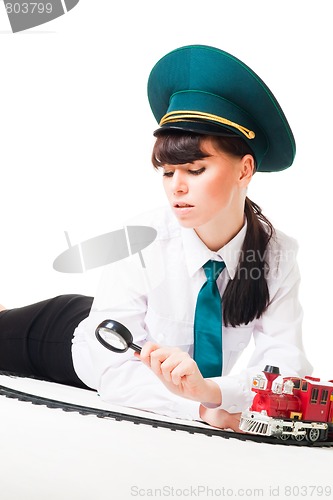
[299,437]
[284,437]
[312,435]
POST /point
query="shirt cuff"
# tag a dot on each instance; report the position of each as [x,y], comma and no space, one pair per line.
[186,409]
[212,405]
[235,396]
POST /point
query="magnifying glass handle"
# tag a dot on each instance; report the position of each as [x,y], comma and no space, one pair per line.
[135,348]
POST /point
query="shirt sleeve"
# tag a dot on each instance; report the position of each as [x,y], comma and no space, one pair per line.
[122,379]
[277,336]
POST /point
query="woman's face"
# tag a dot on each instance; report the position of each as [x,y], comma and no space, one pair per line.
[210,189]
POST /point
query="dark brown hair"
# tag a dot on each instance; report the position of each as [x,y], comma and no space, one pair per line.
[246,296]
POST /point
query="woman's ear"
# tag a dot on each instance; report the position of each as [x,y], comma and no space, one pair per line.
[247,170]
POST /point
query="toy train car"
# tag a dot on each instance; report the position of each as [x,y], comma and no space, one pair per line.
[296,408]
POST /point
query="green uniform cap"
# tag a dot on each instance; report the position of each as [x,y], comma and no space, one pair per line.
[206,90]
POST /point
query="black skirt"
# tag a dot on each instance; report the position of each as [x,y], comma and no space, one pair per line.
[36,340]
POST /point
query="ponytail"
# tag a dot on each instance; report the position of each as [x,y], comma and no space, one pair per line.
[247,296]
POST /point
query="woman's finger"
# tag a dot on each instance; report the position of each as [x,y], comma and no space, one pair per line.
[146,351]
[159,356]
[176,366]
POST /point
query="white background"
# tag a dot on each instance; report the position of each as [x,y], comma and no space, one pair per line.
[75,142]
[76,133]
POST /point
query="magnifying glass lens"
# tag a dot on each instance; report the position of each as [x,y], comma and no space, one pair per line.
[115,336]
[113,339]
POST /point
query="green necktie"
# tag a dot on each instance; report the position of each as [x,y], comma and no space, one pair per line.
[208,323]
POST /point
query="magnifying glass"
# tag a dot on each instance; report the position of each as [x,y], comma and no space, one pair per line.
[115,336]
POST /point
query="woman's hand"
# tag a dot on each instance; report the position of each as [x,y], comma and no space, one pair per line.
[179,373]
[220,418]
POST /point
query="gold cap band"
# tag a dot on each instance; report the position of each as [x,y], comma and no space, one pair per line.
[176,116]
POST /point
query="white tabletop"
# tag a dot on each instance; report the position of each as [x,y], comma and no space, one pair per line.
[51,454]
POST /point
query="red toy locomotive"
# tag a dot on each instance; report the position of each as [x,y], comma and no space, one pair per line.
[297,408]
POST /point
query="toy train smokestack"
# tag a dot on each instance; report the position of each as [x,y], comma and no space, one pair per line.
[263,382]
[271,373]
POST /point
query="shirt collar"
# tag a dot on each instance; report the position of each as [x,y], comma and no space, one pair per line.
[196,253]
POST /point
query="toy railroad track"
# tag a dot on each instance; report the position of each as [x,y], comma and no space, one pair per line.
[86,410]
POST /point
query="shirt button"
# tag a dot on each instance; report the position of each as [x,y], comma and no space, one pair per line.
[241,345]
[232,409]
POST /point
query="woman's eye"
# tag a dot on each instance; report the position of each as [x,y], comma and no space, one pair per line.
[191,172]
[197,172]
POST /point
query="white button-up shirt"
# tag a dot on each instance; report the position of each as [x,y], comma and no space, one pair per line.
[157,302]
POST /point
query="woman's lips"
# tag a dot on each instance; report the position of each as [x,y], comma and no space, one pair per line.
[182,205]
[181,208]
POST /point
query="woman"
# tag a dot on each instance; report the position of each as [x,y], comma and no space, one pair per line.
[219,123]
